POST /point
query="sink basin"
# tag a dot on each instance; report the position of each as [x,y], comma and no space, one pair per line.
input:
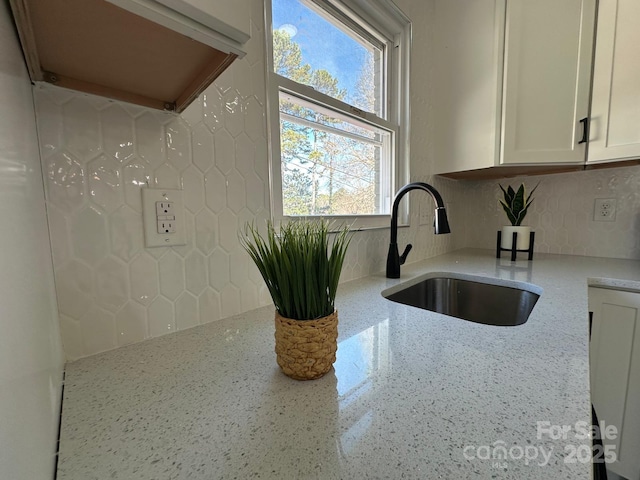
[477,299]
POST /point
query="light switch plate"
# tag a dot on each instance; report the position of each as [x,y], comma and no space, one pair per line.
[152,236]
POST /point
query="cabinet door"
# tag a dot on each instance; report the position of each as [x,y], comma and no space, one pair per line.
[547,71]
[467,70]
[615,373]
[615,108]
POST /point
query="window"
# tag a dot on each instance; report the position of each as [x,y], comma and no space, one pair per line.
[338,114]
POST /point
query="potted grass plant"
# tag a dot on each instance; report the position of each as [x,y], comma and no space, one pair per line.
[515,205]
[301,264]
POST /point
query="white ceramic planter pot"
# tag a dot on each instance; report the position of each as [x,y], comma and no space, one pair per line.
[523,237]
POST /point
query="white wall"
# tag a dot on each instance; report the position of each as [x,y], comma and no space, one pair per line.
[30,353]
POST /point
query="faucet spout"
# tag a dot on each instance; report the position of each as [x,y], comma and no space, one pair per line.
[441,225]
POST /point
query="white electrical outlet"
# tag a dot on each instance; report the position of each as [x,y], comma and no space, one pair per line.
[166,226]
[605,210]
[163,217]
[165,208]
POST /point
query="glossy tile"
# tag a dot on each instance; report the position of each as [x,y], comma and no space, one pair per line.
[255,193]
[131,324]
[229,300]
[206,231]
[126,233]
[150,140]
[193,187]
[135,175]
[254,119]
[178,140]
[187,311]
[89,237]
[166,176]
[202,147]
[143,274]
[233,121]
[245,155]
[75,288]
[81,128]
[218,269]
[228,224]
[215,190]
[161,317]
[212,108]
[65,181]
[195,272]
[58,235]
[236,191]
[117,132]
[112,284]
[105,182]
[209,306]
[98,330]
[171,275]
[224,151]
[239,274]
[72,341]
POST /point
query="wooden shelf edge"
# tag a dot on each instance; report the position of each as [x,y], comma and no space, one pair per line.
[507,171]
[201,82]
[27,38]
[115,94]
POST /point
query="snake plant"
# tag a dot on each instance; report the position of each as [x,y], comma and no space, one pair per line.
[300,265]
[516,204]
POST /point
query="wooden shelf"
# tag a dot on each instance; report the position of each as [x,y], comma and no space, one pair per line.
[95,47]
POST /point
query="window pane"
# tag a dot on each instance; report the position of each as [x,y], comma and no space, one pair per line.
[331,169]
[309,49]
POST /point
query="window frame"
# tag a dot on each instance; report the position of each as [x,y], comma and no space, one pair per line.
[385,24]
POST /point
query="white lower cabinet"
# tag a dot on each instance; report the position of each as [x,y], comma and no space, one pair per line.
[615,373]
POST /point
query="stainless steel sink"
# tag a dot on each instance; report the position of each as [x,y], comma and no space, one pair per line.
[478,299]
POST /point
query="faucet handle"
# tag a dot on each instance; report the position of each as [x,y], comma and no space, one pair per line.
[403,257]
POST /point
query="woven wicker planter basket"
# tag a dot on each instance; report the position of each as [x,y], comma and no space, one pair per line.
[306,349]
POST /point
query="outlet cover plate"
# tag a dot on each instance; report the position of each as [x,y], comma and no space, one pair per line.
[604,209]
[150,217]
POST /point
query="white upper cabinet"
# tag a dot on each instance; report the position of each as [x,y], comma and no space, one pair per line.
[221,24]
[547,77]
[615,108]
[468,39]
[229,17]
[512,82]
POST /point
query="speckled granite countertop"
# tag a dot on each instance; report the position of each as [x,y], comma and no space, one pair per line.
[414,394]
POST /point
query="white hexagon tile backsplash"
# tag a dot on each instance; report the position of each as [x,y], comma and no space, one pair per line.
[97,154]
[112,291]
[562,214]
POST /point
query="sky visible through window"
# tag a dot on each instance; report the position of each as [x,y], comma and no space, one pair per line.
[323,45]
[331,162]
